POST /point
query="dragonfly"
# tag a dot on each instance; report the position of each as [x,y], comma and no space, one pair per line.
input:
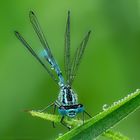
[67,101]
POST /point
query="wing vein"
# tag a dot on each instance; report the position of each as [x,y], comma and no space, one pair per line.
[67,49]
[78,56]
[18,35]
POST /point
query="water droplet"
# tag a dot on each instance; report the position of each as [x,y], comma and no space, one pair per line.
[128,95]
[105,107]
[125,98]
[119,101]
[115,103]
[133,92]
[60,134]
[137,90]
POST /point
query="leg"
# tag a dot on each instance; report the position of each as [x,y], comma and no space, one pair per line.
[47,107]
[62,122]
[54,113]
[83,116]
[87,114]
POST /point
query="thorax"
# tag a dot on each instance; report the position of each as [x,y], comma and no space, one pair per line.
[67,96]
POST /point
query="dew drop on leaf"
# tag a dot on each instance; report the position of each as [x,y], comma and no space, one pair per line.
[105,107]
[137,90]
[115,103]
[60,134]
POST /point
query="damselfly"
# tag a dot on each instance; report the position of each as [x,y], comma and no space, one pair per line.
[67,102]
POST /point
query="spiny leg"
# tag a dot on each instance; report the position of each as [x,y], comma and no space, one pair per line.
[87,114]
[52,104]
[54,113]
[47,107]
[83,117]
[63,123]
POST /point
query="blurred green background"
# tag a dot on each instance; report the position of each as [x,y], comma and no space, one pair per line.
[109,70]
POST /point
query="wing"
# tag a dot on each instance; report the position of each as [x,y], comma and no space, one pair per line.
[77,57]
[67,49]
[40,34]
[18,35]
[48,55]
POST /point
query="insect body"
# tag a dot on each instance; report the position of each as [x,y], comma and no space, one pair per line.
[67,101]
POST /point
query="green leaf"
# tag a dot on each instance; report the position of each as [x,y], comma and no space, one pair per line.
[115,135]
[105,120]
